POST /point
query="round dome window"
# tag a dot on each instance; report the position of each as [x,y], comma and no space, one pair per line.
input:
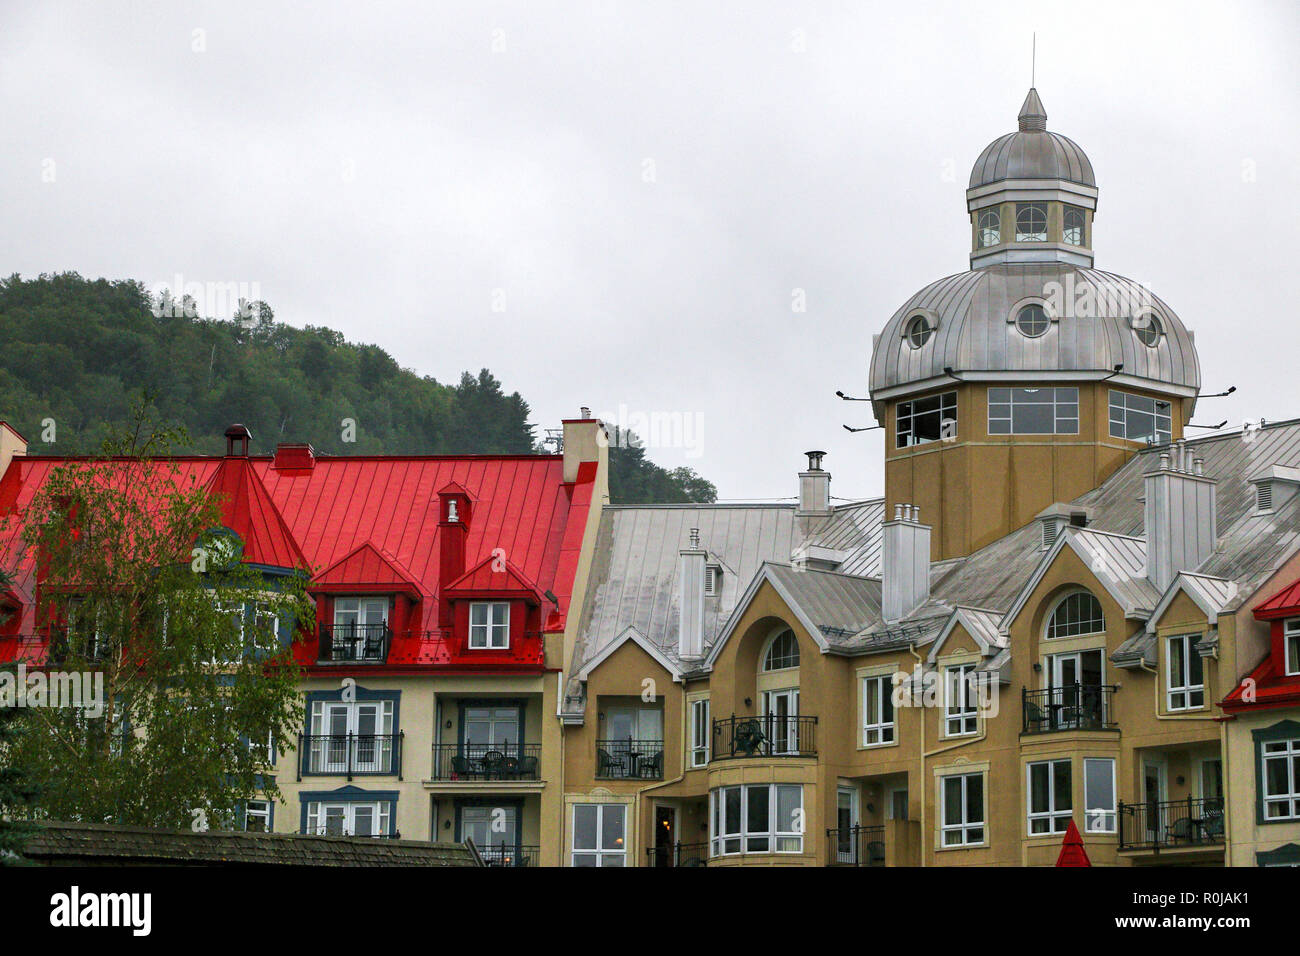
[1148,329]
[1032,321]
[919,331]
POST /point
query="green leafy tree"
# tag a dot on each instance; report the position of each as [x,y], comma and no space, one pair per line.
[142,589]
[634,479]
[16,793]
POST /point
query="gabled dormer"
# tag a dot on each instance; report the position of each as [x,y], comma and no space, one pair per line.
[362,599]
[496,614]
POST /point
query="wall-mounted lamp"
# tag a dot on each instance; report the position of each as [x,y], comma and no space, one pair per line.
[448,725]
[446,824]
[1038,667]
[749,702]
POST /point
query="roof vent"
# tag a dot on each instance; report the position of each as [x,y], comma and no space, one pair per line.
[294,457]
[1050,530]
[1264,496]
[237,434]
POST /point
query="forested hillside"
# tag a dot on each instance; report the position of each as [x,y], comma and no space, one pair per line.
[78,352]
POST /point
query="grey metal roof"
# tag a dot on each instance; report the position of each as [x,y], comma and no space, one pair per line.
[633,580]
[854,529]
[1032,152]
[973,311]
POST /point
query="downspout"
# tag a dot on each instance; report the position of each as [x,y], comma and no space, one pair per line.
[559,711]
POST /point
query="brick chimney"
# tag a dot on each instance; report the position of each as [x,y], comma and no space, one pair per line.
[1181,515]
[905,563]
[454,514]
[690,604]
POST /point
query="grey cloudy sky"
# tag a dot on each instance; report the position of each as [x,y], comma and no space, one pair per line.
[644,185]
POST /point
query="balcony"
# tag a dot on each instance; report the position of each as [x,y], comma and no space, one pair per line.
[354,643]
[1073,707]
[769,736]
[509,854]
[857,846]
[476,762]
[679,854]
[350,755]
[629,759]
[1171,825]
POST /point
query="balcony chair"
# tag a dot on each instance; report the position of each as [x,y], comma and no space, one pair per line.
[1180,831]
[875,853]
[1035,717]
[527,768]
[460,766]
[607,765]
[748,737]
[374,648]
[652,766]
[494,763]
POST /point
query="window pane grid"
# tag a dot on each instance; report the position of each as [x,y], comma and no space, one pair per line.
[1031,222]
[926,419]
[1033,411]
[963,809]
[877,711]
[1282,780]
[1050,796]
[1139,418]
[1079,613]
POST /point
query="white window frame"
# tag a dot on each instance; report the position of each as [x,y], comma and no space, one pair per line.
[1004,410]
[1066,630]
[1030,212]
[982,230]
[1056,818]
[701,733]
[1287,751]
[768,652]
[962,828]
[603,855]
[961,711]
[772,839]
[327,757]
[493,634]
[318,812]
[877,731]
[1180,692]
[258,809]
[1100,819]
[1291,645]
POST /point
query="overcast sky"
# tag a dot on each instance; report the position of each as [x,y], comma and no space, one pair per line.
[613,203]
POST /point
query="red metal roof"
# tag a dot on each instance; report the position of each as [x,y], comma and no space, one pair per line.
[495,574]
[1285,603]
[372,517]
[367,566]
[1268,685]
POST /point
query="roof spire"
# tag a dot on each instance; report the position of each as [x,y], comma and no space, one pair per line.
[1033,118]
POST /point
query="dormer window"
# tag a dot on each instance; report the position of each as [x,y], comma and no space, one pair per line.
[1074,225]
[1148,329]
[1291,642]
[989,228]
[489,625]
[1032,321]
[1031,222]
[919,331]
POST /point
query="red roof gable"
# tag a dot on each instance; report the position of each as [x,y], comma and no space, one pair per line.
[494,574]
[1285,603]
[367,567]
[247,510]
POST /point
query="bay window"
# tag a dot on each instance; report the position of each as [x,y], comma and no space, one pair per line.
[757,818]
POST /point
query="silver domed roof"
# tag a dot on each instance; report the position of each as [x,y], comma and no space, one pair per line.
[974,333]
[1032,153]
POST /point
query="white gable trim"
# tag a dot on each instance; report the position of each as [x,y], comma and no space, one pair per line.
[764,574]
[961,616]
[630,633]
[1179,584]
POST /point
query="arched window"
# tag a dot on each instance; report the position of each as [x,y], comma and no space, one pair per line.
[1077,613]
[990,228]
[1031,222]
[782,653]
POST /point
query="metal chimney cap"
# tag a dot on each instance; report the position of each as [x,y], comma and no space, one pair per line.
[695,537]
[815,460]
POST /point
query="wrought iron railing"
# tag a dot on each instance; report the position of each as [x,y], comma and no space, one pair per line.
[1171,824]
[355,643]
[487,761]
[630,759]
[509,854]
[772,735]
[350,755]
[679,854]
[1072,707]
[857,845]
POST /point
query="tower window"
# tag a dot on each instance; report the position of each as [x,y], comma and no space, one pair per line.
[1032,321]
[990,228]
[919,331]
[1031,222]
[1074,221]
[1139,418]
[1148,329]
[1033,411]
[926,419]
